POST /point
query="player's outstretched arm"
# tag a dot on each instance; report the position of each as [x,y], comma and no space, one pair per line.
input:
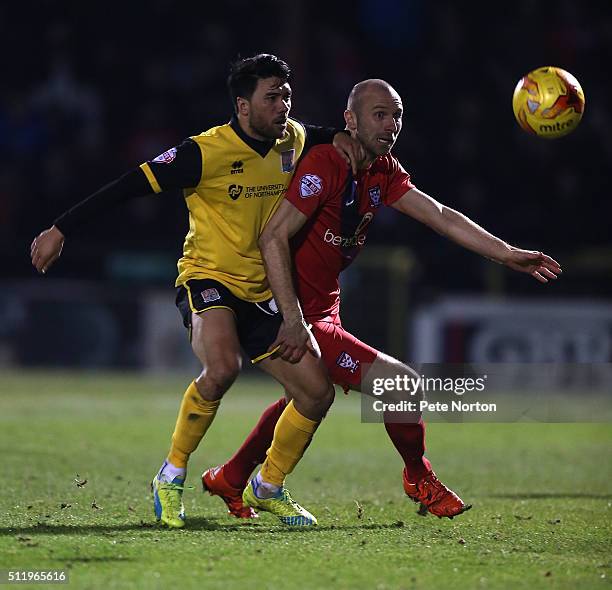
[179,167]
[470,235]
[47,247]
[293,338]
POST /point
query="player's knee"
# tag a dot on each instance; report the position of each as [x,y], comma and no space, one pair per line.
[218,376]
[322,396]
[409,375]
[326,394]
[329,397]
[317,395]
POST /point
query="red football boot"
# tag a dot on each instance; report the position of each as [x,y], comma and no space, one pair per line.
[215,484]
[434,497]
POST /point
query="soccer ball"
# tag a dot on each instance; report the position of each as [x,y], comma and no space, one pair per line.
[548,102]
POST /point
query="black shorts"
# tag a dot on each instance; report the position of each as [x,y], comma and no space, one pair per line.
[257,323]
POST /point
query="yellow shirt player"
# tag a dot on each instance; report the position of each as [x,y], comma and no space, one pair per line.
[233,177]
[237,184]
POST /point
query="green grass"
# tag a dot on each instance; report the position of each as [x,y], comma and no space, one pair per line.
[542,496]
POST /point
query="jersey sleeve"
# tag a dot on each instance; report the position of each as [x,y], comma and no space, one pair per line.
[315,180]
[177,168]
[129,186]
[317,135]
[399,183]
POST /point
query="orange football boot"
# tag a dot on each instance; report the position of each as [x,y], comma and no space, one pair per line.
[215,484]
[434,496]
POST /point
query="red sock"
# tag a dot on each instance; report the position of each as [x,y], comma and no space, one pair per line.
[253,450]
[409,440]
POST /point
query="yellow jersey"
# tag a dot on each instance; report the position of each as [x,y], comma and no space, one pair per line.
[240,184]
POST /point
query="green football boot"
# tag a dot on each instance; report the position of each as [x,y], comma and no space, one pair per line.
[282,505]
[168,502]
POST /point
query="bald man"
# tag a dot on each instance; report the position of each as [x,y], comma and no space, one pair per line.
[318,230]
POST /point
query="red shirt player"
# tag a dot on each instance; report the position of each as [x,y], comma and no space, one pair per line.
[323,222]
[339,209]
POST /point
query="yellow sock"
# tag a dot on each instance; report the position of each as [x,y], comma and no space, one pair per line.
[195,416]
[292,435]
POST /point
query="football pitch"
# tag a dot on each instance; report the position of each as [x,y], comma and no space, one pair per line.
[79,450]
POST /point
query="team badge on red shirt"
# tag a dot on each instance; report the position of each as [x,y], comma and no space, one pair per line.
[310,185]
[166,157]
[375,197]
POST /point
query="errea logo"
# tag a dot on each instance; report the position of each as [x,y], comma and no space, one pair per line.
[237,167]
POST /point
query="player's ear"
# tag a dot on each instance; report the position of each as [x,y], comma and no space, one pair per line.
[351,120]
[242,106]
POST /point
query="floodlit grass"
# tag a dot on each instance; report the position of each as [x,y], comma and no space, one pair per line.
[542,496]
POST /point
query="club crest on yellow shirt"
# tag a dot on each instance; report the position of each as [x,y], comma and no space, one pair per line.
[287,158]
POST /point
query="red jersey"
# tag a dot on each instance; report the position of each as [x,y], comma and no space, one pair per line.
[339,208]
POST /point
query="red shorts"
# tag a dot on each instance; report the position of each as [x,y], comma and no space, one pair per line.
[343,354]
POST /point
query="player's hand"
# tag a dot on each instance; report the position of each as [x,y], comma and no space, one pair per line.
[46,248]
[294,339]
[538,265]
[350,149]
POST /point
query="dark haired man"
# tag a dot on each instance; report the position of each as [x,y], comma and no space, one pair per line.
[233,177]
[323,222]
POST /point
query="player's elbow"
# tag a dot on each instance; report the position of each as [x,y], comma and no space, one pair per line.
[272,238]
[265,239]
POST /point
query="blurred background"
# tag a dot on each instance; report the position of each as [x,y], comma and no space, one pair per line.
[90,90]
